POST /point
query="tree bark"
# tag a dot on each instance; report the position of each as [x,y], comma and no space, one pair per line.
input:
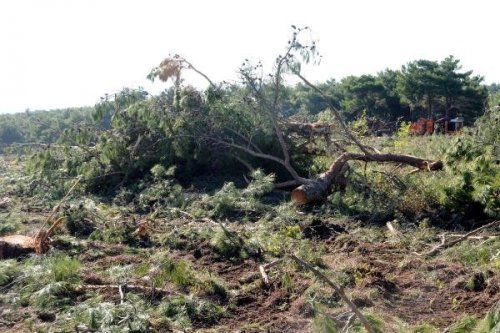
[318,189]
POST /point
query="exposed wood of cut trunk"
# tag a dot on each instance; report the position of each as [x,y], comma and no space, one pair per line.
[319,188]
[15,246]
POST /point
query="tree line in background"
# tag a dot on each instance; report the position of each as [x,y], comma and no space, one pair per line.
[40,126]
[422,88]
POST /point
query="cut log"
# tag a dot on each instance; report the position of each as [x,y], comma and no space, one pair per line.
[318,189]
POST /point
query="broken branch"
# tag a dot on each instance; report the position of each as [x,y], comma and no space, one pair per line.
[337,289]
[445,245]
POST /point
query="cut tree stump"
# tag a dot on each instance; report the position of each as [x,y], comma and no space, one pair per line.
[16,246]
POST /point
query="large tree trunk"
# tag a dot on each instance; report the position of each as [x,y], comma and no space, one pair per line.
[318,189]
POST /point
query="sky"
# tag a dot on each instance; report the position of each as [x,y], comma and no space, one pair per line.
[69,53]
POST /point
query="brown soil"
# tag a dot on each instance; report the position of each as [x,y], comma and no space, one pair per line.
[416,290]
[388,279]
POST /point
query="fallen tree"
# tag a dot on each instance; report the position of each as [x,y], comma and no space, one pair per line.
[265,99]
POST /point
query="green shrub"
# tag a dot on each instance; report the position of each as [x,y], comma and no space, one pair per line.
[129,316]
[184,311]
[322,323]
[401,136]
[211,286]
[230,200]
[9,269]
[465,325]
[474,157]
[491,322]
[485,254]
[227,246]
[11,222]
[63,268]
[162,190]
[79,221]
[178,309]
[377,323]
[50,281]
[177,272]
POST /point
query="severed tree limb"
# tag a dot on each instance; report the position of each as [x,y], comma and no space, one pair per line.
[445,245]
[348,323]
[393,230]
[56,207]
[122,294]
[40,239]
[263,273]
[262,269]
[337,289]
[245,139]
[254,153]
[130,287]
[308,129]
[272,107]
[190,66]
[476,237]
[336,113]
[318,189]
[310,132]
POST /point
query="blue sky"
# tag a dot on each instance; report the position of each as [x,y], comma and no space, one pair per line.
[61,53]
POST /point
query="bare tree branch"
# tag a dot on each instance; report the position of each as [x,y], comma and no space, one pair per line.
[190,66]
[337,289]
[445,245]
[336,113]
[287,166]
